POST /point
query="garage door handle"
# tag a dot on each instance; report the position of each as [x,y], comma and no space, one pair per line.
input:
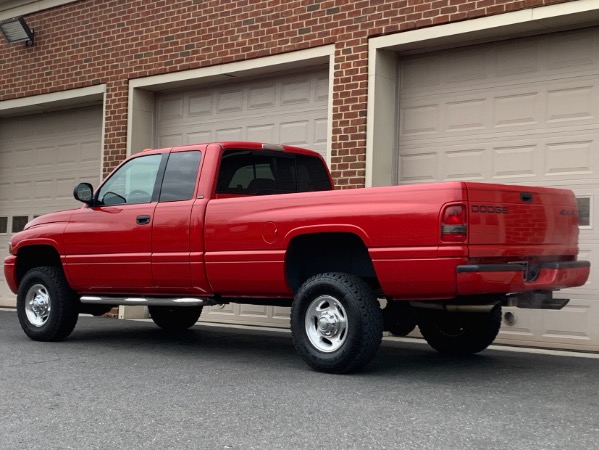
[143,220]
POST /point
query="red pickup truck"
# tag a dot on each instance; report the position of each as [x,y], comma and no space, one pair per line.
[177,229]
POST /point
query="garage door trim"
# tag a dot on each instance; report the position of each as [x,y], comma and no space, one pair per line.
[140,126]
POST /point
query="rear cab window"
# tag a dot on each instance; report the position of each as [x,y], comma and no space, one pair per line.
[247,172]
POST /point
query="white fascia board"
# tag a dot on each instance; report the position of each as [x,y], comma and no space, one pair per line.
[283,61]
[52,101]
[20,8]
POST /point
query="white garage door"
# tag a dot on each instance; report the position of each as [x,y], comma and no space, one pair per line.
[290,109]
[42,157]
[523,111]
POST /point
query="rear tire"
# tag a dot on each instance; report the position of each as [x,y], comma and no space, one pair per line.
[399,318]
[47,307]
[175,318]
[336,323]
[459,333]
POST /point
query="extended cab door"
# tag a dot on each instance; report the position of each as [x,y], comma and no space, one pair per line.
[108,246]
[177,228]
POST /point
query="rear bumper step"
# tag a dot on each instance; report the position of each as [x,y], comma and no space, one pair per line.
[475,279]
[527,300]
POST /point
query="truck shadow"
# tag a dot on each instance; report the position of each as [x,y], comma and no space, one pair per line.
[265,348]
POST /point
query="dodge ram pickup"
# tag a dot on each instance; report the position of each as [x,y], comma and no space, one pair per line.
[180,228]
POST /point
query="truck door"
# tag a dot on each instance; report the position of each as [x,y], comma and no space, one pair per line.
[108,246]
[178,214]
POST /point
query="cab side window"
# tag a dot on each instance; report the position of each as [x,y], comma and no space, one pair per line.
[133,183]
[180,176]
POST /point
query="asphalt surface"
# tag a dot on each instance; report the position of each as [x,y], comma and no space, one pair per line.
[127,384]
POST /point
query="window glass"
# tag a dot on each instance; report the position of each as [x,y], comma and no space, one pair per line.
[264,183]
[236,172]
[18,223]
[584,211]
[133,183]
[285,174]
[3,225]
[263,173]
[311,174]
[180,176]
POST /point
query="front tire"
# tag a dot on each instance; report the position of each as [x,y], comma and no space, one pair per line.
[47,307]
[460,333]
[336,323]
[175,318]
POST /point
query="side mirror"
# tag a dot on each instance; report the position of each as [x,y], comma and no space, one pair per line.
[84,192]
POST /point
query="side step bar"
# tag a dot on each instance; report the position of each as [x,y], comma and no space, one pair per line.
[146,301]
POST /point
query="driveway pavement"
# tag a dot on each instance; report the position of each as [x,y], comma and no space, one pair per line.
[127,384]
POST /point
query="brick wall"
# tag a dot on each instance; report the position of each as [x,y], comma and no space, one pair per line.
[96,41]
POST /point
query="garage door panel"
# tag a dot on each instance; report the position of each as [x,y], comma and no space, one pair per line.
[229,134]
[569,50]
[518,60]
[199,105]
[519,109]
[321,88]
[261,133]
[171,140]
[171,109]
[527,114]
[262,97]
[570,158]
[296,92]
[42,157]
[5,191]
[516,162]
[43,189]
[47,155]
[229,101]
[200,136]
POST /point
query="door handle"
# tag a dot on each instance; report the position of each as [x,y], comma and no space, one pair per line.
[143,220]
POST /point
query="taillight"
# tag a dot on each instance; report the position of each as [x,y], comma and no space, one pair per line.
[453,224]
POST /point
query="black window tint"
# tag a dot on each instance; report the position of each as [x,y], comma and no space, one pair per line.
[236,172]
[584,211]
[285,170]
[263,173]
[180,176]
[3,225]
[264,183]
[311,174]
[18,223]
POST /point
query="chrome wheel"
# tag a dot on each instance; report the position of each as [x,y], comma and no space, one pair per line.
[37,305]
[326,324]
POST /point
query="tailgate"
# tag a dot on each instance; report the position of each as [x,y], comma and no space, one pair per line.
[521,221]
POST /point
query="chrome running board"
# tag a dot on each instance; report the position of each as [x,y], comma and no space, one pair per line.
[147,301]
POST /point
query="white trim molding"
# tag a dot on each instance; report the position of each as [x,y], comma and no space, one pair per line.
[53,101]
